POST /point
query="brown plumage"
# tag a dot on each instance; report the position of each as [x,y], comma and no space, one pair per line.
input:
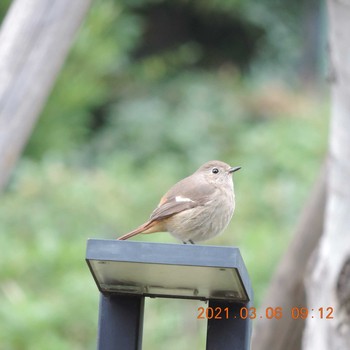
[196,208]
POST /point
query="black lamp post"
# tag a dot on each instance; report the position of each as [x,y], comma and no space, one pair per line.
[126,272]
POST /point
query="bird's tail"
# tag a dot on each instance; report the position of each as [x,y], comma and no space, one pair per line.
[141,229]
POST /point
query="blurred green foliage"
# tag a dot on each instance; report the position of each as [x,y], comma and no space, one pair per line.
[119,129]
[4,6]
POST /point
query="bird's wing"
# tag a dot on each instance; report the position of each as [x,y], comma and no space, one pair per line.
[170,208]
[182,197]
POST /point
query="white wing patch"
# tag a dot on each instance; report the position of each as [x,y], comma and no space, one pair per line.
[183,199]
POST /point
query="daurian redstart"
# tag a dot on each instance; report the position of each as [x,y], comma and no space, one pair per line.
[197,208]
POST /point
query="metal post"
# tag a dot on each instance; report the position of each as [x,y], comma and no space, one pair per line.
[127,272]
[120,322]
[229,330]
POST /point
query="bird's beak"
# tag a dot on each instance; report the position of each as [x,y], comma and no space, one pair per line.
[232,170]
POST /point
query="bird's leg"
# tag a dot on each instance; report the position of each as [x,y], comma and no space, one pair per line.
[189,241]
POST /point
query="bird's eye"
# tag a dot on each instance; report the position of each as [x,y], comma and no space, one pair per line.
[215,170]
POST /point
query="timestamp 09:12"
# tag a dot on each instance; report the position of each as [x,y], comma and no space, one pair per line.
[219,313]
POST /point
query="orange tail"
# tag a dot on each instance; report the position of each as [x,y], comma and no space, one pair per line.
[147,227]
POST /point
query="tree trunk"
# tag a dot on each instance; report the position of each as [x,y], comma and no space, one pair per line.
[35,38]
[287,286]
[328,283]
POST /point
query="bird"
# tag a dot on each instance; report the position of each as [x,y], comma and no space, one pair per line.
[197,208]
